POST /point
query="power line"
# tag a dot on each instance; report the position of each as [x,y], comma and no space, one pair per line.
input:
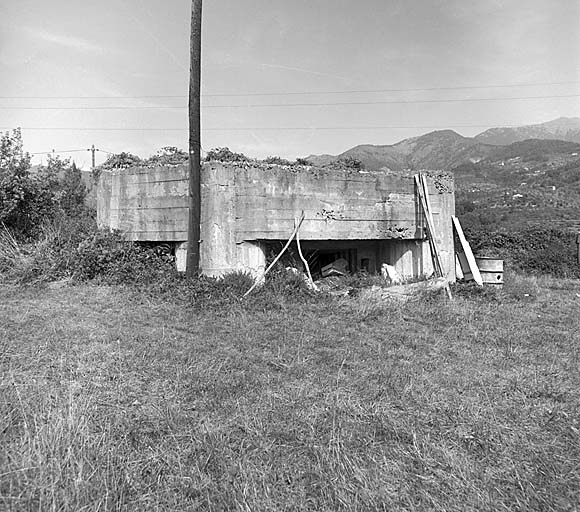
[298,93]
[61,151]
[67,150]
[269,128]
[327,104]
[418,89]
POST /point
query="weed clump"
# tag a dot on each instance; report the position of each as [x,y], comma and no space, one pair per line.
[73,248]
[280,290]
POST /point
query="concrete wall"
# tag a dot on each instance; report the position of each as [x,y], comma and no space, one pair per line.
[246,206]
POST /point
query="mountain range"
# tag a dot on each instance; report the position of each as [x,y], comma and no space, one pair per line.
[447,149]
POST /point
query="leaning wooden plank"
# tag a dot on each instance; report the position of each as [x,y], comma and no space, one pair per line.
[429,214]
[473,268]
[423,192]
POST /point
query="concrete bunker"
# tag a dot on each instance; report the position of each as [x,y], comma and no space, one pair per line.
[365,218]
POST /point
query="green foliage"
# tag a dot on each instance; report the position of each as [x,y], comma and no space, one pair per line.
[73,248]
[17,189]
[303,161]
[62,180]
[74,191]
[168,155]
[348,162]
[12,155]
[30,197]
[277,160]
[108,256]
[537,251]
[121,160]
[225,155]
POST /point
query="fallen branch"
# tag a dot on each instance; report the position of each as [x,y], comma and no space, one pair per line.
[259,280]
[310,280]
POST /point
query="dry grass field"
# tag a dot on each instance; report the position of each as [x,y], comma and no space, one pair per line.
[118,399]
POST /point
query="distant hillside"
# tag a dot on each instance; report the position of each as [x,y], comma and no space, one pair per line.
[506,178]
[563,128]
[532,183]
[321,160]
[436,150]
[446,149]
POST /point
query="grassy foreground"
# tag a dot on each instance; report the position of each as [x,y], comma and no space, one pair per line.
[112,400]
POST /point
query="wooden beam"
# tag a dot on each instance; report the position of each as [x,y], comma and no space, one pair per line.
[423,192]
[423,198]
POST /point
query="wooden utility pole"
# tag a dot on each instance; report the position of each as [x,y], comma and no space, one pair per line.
[193,233]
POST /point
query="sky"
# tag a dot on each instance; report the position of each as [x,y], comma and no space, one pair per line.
[281,77]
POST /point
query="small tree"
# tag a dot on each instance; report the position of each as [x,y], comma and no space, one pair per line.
[73,191]
[29,197]
[17,190]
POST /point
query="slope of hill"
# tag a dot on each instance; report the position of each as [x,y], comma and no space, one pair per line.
[441,150]
[563,128]
[533,183]
[321,160]
[446,149]
[436,150]
[504,178]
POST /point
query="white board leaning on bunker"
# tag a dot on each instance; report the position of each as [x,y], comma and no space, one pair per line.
[469,257]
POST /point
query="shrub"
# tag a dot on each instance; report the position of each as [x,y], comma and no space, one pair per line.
[31,197]
[121,160]
[51,255]
[350,162]
[168,155]
[107,256]
[63,181]
[18,191]
[225,155]
[73,247]
[538,251]
[276,160]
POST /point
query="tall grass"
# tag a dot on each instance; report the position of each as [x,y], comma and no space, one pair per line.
[73,248]
[11,254]
[115,399]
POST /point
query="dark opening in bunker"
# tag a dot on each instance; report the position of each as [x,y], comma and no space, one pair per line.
[333,257]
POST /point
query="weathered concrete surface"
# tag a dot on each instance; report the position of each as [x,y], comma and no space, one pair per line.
[145,203]
[245,206]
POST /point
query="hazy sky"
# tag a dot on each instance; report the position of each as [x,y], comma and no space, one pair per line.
[61,61]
